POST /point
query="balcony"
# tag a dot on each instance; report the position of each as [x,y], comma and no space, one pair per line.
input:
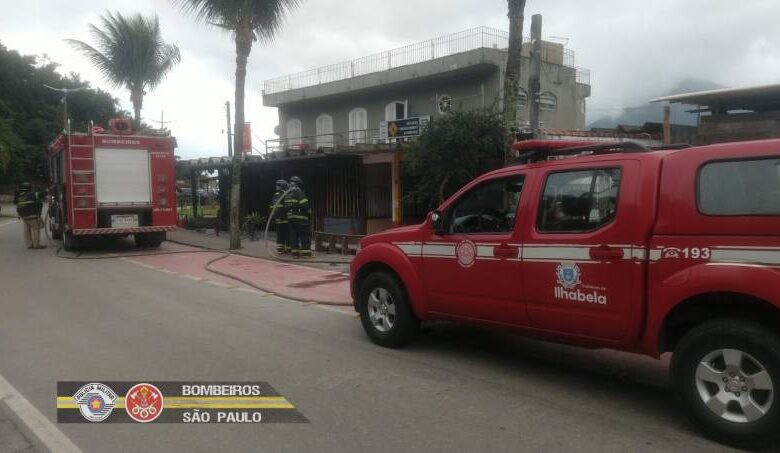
[358,140]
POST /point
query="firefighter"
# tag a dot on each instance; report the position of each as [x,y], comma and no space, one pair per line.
[280,218]
[299,218]
[29,205]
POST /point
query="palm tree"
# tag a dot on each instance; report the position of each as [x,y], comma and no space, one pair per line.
[130,53]
[513,62]
[248,21]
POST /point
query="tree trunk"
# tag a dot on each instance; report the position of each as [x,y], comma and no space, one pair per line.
[244,38]
[513,62]
[137,98]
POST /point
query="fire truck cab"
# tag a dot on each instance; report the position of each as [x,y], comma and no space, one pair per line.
[112,183]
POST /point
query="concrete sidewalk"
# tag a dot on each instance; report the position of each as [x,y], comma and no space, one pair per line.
[291,281]
[257,249]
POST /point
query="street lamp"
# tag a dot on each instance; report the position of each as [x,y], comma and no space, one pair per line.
[65,92]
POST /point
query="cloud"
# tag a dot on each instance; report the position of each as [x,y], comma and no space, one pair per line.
[635,49]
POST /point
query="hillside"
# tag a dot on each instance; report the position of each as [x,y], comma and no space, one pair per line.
[641,114]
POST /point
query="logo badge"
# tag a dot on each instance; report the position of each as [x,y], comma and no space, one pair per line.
[144,403]
[568,275]
[466,253]
[96,401]
[671,253]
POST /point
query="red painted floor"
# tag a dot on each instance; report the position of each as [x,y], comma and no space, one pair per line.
[286,280]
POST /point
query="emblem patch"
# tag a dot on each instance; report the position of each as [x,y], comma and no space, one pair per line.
[144,403]
[466,253]
[96,401]
[568,275]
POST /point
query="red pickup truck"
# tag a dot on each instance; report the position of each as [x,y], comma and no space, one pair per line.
[608,246]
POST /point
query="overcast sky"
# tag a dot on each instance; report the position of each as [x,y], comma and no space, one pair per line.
[635,49]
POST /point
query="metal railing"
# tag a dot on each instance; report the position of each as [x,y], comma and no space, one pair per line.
[475,38]
[582,75]
[328,142]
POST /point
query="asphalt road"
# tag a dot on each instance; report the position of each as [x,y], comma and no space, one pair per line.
[456,389]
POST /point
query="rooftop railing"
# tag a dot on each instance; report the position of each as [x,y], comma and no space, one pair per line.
[475,38]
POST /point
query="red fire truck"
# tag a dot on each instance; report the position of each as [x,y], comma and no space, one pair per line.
[112,183]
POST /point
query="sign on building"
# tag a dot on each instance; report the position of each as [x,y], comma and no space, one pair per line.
[408,127]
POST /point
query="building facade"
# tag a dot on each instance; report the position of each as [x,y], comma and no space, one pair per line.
[342,105]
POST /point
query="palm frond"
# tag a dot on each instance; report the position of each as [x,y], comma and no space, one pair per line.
[264,17]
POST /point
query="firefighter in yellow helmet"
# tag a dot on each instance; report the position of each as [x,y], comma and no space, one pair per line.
[299,218]
[29,205]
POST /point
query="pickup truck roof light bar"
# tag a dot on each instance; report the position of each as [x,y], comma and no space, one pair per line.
[540,155]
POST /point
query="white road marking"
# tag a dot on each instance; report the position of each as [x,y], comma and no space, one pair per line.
[43,429]
[219,284]
[192,277]
[4,224]
[168,271]
[148,266]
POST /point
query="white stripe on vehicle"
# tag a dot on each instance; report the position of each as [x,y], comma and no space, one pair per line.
[745,256]
[555,253]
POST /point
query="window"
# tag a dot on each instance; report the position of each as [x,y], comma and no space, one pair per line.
[445,103]
[490,207]
[740,187]
[522,99]
[324,131]
[548,102]
[395,111]
[358,125]
[294,133]
[577,201]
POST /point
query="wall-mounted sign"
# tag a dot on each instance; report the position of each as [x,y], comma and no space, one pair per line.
[409,127]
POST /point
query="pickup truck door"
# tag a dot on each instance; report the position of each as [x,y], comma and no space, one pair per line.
[582,253]
[472,270]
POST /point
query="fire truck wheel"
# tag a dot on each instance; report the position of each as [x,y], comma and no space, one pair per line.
[385,312]
[726,373]
[149,239]
[69,242]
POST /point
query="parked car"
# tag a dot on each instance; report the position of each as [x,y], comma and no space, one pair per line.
[609,246]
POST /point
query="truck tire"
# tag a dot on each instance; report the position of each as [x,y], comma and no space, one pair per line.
[69,241]
[385,312]
[726,373]
[55,223]
[152,240]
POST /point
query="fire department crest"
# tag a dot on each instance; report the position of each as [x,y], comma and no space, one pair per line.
[568,275]
[96,401]
[466,253]
[144,403]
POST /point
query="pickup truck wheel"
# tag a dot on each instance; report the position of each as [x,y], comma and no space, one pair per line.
[385,312]
[727,375]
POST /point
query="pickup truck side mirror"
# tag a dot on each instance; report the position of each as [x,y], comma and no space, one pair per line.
[437,222]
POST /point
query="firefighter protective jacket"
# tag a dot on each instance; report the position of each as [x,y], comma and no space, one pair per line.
[297,206]
[278,208]
[29,204]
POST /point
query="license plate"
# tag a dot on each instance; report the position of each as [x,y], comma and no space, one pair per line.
[124,221]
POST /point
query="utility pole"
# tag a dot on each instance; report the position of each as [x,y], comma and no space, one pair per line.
[667,125]
[534,78]
[162,121]
[229,137]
